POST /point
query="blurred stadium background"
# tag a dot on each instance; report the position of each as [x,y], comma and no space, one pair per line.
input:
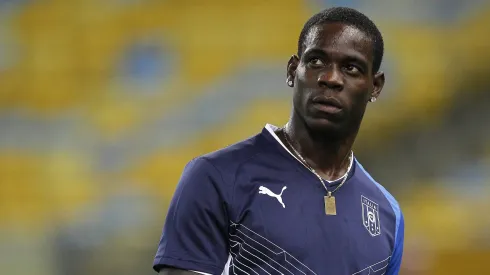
[103,102]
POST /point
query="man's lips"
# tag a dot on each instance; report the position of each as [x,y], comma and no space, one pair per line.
[327,103]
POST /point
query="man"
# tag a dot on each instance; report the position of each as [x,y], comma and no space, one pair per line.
[294,200]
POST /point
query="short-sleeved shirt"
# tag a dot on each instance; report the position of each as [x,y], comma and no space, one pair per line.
[253,208]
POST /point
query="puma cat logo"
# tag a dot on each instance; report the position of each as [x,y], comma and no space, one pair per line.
[266,191]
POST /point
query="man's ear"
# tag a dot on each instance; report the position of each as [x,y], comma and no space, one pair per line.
[291,70]
[378,83]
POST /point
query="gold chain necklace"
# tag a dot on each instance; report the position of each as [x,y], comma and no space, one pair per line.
[330,206]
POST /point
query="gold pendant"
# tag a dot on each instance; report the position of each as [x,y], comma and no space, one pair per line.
[330,208]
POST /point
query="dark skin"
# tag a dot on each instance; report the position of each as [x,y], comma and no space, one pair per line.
[336,68]
[174,271]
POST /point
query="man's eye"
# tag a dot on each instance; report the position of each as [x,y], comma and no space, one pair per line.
[316,62]
[352,69]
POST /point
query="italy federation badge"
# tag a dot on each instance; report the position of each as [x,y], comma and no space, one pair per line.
[370,216]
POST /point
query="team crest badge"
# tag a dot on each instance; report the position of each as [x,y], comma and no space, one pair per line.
[370,216]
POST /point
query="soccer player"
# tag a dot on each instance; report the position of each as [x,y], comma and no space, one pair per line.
[295,200]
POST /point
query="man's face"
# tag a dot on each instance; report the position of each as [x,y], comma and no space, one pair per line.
[333,79]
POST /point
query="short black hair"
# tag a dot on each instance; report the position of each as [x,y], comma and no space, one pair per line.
[349,17]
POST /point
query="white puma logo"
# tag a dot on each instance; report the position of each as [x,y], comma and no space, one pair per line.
[266,191]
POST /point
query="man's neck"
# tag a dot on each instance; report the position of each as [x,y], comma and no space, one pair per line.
[328,156]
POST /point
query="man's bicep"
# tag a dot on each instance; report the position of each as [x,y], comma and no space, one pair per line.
[397,255]
[195,234]
[175,271]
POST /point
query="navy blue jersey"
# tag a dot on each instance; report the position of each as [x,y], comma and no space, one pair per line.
[253,208]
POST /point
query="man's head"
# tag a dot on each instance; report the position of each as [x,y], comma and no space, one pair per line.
[335,73]
[349,17]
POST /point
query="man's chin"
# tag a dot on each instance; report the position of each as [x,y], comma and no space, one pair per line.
[325,126]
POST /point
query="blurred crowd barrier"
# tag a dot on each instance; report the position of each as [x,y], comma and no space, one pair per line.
[103,102]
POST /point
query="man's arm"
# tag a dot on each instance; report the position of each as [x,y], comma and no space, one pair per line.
[195,234]
[175,271]
[396,257]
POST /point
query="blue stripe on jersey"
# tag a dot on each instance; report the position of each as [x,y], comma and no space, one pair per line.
[396,257]
[389,197]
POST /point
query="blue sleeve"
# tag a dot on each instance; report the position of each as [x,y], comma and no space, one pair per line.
[195,234]
[396,257]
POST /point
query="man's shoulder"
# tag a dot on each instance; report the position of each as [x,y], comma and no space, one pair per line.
[370,183]
[231,157]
